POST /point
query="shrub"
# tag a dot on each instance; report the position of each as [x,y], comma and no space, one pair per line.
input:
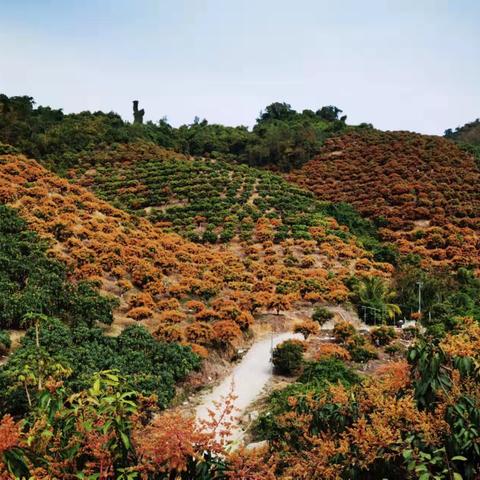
[172,316]
[226,332]
[395,348]
[362,353]
[199,332]
[343,331]
[202,352]
[410,333]
[382,335]
[207,315]
[322,315]
[245,320]
[287,358]
[169,334]
[328,370]
[326,350]
[5,342]
[209,237]
[140,313]
[307,328]
[195,306]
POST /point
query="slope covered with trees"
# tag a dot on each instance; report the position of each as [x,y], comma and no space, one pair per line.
[468,133]
[421,191]
[468,137]
[34,283]
[182,253]
[150,272]
[181,290]
[273,226]
[281,135]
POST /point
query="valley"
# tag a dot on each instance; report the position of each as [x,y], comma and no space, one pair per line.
[317,279]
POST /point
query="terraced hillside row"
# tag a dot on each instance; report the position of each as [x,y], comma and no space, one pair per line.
[181,290]
[208,200]
[275,227]
[423,190]
[135,151]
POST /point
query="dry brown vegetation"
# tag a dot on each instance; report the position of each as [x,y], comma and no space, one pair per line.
[424,187]
[156,275]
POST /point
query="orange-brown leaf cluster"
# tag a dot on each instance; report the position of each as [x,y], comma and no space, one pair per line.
[162,279]
[425,187]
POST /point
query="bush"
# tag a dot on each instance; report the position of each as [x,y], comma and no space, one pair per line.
[410,333]
[362,353]
[382,335]
[328,370]
[395,348]
[287,358]
[322,315]
[225,333]
[326,350]
[5,342]
[343,331]
[140,313]
[310,386]
[307,328]
[209,237]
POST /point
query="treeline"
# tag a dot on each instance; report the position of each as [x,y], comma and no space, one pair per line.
[468,133]
[468,138]
[281,136]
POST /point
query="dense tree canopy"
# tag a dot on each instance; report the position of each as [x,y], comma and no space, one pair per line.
[74,354]
[281,136]
[31,282]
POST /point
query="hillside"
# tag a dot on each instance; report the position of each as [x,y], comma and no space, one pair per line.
[281,135]
[275,227]
[468,133]
[133,279]
[198,196]
[149,271]
[421,190]
[154,273]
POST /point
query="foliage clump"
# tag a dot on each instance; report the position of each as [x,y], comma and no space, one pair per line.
[382,336]
[5,342]
[73,354]
[322,315]
[287,358]
[32,282]
[398,180]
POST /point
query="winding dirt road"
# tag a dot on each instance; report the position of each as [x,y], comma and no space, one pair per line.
[246,381]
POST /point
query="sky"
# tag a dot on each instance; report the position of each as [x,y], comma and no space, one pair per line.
[400,65]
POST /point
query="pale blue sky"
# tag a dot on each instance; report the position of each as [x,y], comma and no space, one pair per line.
[404,64]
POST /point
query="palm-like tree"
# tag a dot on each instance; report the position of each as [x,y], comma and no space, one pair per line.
[375,293]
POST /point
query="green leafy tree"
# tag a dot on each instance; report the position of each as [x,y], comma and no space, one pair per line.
[322,315]
[374,294]
[287,358]
[31,283]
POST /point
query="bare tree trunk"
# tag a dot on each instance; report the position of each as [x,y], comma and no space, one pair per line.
[28,395]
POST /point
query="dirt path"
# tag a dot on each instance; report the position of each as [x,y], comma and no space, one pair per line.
[249,378]
[347,315]
[246,381]
[341,313]
[254,195]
